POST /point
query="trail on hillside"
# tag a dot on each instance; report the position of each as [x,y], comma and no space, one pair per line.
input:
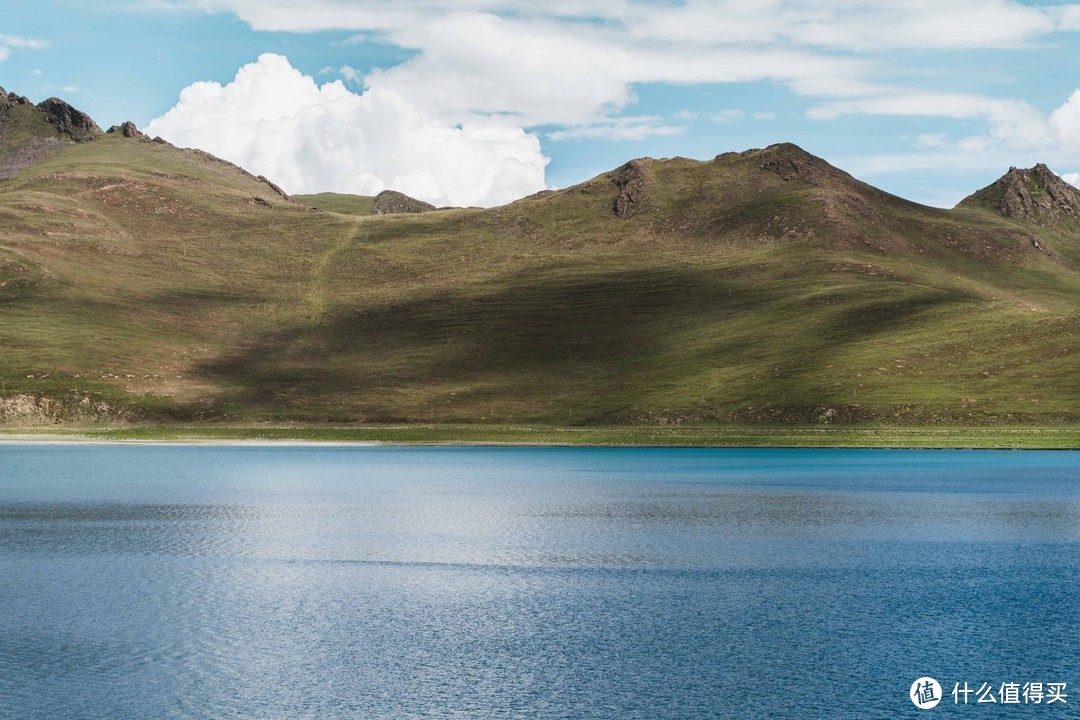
[316,298]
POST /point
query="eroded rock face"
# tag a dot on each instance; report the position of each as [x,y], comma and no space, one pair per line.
[76,124]
[1033,194]
[635,181]
[390,202]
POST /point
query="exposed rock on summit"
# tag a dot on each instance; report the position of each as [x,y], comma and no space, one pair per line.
[128,130]
[9,100]
[791,162]
[77,125]
[634,180]
[390,202]
[1033,194]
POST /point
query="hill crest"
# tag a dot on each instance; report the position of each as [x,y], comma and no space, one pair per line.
[1033,194]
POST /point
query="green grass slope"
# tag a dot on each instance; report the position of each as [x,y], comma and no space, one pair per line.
[143,282]
[388,202]
[340,203]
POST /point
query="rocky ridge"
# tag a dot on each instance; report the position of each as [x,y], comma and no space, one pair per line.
[76,124]
[1031,194]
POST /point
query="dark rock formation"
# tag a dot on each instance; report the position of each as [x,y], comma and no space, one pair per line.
[128,130]
[1034,194]
[9,100]
[634,180]
[77,125]
[390,202]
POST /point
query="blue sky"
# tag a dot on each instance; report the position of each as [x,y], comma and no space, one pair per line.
[483,101]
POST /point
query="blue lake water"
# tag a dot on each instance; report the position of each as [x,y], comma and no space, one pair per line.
[352,582]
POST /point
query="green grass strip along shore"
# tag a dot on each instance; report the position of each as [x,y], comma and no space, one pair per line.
[881,437]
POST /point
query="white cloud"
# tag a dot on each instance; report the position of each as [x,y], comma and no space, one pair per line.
[14,41]
[727,117]
[63,88]
[1010,122]
[7,42]
[624,128]
[352,75]
[36,71]
[1065,122]
[275,121]
[575,64]
[721,117]
[836,24]
[1072,178]
[928,141]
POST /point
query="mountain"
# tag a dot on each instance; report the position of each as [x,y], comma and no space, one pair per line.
[1035,194]
[139,281]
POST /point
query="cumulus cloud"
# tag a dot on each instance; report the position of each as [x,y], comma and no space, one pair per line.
[576,62]
[275,121]
[1072,178]
[1065,122]
[351,74]
[505,65]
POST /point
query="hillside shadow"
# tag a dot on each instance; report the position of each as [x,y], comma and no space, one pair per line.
[562,331]
[545,336]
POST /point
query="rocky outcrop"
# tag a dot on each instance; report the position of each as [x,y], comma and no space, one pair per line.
[10,100]
[635,183]
[391,202]
[1034,194]
[127,130]
[791,162]
[76,124]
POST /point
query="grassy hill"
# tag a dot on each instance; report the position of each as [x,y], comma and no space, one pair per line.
[340,203]
[388,202]
[140,281]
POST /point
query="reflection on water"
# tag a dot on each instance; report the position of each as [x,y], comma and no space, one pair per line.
[210,582]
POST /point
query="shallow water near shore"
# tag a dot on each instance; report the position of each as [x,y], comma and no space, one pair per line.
[392,582]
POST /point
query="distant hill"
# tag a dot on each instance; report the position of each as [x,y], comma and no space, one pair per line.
[1035,194]
[388,202]
[142,281]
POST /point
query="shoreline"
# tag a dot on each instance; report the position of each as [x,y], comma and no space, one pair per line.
[1034,438]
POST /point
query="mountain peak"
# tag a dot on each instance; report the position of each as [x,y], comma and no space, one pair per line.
[791,162]
[76,124]
[128,130]
[8,100]
[1035,194]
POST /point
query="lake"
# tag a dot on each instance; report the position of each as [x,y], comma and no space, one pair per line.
[391,582]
